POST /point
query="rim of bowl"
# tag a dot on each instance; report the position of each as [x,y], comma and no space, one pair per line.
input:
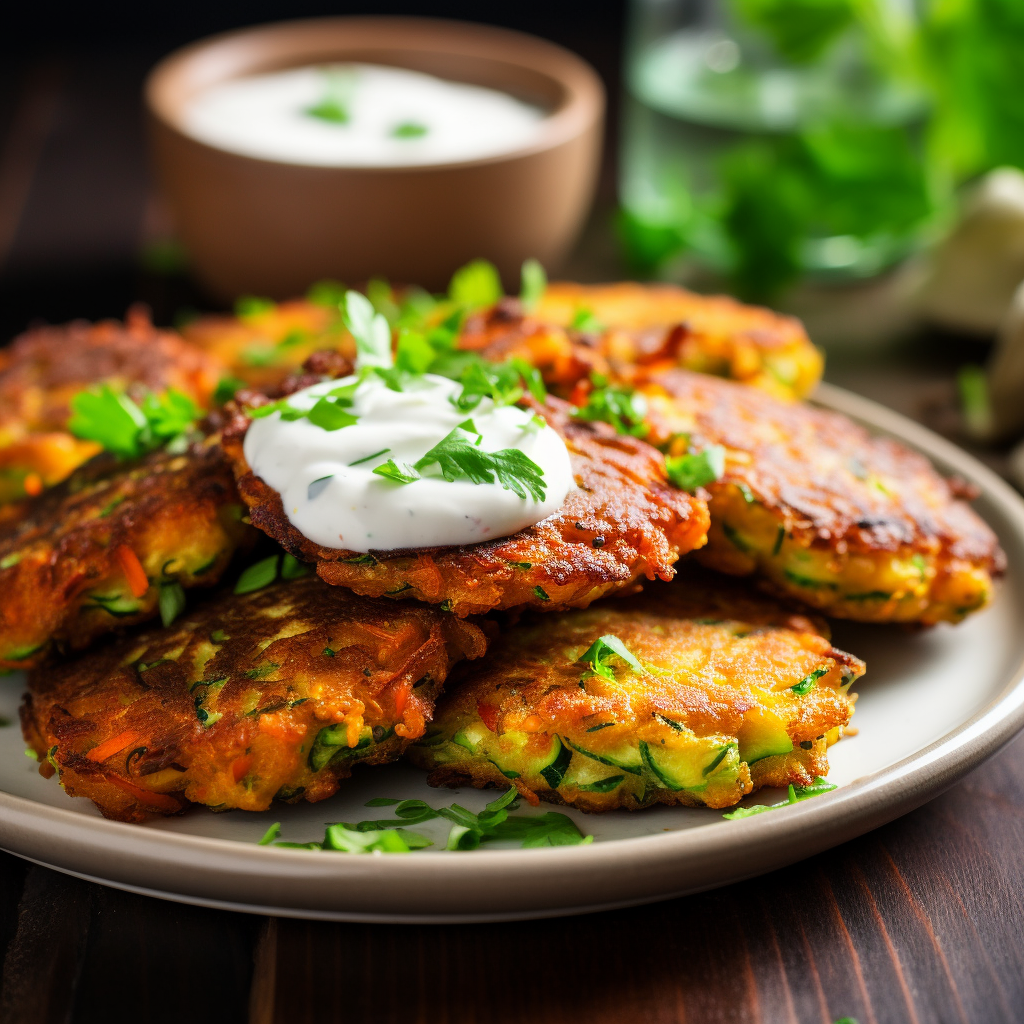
[300,42]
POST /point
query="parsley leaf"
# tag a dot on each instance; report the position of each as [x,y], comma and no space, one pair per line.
[334,106]
[598,653]
[326,293]
[370,329]
[585,321]
[796,794]
[475,285]
[501,382]
[414,353]
[399,474]
[459,458]
[622,408]
[533,283]
[328,415]
[258,575]
[113,420]
[409,130]
[696,469]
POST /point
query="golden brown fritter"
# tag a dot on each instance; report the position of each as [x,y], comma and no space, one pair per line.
[98,551]
[43,369]
[274,694]
[853,524]
[663,325]
[262,347]
[728,693]
[624,522]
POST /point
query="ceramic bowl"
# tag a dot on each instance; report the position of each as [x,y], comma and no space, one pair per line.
[258,226]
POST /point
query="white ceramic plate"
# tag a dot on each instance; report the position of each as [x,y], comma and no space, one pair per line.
[933,705]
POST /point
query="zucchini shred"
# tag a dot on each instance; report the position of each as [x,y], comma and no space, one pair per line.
[711,716]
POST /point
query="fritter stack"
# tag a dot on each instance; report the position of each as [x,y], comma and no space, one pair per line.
[533,660]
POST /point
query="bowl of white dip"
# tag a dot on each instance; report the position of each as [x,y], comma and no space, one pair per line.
[348,148]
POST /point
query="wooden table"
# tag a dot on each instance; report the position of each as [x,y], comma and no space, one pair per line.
[920,921]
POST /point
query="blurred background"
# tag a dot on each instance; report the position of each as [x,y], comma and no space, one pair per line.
[856,162]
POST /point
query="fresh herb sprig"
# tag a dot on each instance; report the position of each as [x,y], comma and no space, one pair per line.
[533,283]
[129,429]
[503,383]
[796,794]
[623,408]
[262,573]
[469,831]
[458,457]
[599,653]
[696,469]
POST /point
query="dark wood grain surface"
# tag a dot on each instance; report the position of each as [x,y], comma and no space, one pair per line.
[920,921]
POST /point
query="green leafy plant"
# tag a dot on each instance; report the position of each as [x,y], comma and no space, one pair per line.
[796,795]
[468,831]
[620,406]
[114,420]
[696,469]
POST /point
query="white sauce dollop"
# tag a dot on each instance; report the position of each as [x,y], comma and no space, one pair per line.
[358,510]
[266,116]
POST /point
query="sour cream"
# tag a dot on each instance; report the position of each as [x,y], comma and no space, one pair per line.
[332,496]
[371,116]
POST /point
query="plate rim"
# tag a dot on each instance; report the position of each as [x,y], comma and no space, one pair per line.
[227,874]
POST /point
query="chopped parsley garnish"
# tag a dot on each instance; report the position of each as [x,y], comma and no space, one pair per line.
[129,430]
[327,293]
[469,831]
[796,794]
[329,415]
[316,487]
[622,408]
[533,283]
[696,469]
[226,389]
[370,329]
[409,130]
[11,560]
[503,383]
[258,575]
[334,106]
[365,458]
[262,573]
[414,353]
[584,320]
[399,474]
[249,306]
[601,650]
[475,285]
[458,458]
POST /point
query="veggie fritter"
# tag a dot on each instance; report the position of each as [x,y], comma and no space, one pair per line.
[693,694]
[853,524]
[623,522]
[277,693]
[44,368]
[113,545]
[669,326]
[267,341]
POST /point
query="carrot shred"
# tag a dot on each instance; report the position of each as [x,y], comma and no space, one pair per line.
[112,746]
[488,715]
[33,485]
[138,582]
[158,801]
[402,696]
[240,767]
